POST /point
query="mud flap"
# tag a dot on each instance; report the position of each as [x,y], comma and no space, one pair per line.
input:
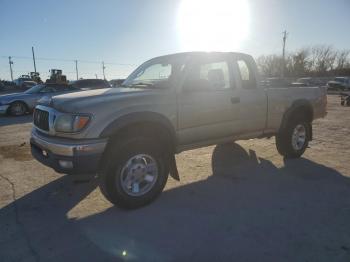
[310,132]
[173,168]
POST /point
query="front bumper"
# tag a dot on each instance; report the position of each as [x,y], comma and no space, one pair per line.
[67,156]
[3,109]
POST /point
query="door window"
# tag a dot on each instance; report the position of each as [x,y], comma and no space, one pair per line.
[208,76]
[154,72]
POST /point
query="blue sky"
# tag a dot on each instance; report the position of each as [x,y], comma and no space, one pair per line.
[130,32]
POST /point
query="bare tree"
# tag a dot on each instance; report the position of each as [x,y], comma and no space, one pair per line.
[323,58]
[298,63]
[270,65]
[341,60]
[316,60]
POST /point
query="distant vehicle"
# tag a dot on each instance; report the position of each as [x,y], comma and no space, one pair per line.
[275,82]
[339,84]
[345,99]
[56,77]
[306,81]
[19,103]
[116,82]
[87,84]
[19,81]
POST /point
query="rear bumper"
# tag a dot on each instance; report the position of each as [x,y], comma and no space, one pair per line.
[68,156]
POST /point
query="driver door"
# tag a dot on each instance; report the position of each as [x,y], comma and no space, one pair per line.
[208,104]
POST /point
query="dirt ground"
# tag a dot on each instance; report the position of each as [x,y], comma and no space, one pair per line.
[235,202]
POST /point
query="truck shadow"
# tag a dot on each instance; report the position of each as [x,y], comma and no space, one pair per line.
[249,210]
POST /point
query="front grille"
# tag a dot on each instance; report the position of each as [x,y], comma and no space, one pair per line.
[41,119]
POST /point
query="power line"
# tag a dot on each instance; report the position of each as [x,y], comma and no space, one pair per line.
[69,60]
[76,68]
[34,59]
[103,69]
[11,63]
[284,52]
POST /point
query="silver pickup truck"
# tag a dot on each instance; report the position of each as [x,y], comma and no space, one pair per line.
[129,136]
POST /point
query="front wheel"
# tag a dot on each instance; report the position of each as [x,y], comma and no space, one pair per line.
[293,140]
[17,109]
[135,174]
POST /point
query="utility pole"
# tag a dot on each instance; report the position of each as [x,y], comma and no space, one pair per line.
[11,63]
[34,59]
[284,52]
[76,68]
[103,70]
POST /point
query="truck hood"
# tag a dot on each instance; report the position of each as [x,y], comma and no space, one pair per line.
[75,102]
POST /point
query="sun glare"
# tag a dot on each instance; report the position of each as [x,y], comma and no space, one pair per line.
[213,25]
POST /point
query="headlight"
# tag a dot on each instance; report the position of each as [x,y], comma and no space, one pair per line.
[71,123]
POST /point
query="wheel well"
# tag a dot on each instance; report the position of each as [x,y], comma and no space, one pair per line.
[19,101]
[152,130]
[304,111]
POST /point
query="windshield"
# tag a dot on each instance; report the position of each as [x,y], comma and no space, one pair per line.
[34,89]
[155,73]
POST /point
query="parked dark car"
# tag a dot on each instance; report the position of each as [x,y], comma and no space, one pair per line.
[19,103]
[275,82]
[87,84]
[306,81]
[339,84]
[116,82]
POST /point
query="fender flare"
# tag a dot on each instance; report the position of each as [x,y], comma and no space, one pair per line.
[300,103]
[138,117]
[145,117]
[20,101]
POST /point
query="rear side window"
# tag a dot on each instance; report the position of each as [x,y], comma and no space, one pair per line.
[247,74]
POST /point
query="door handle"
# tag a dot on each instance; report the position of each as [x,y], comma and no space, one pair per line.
[235,100]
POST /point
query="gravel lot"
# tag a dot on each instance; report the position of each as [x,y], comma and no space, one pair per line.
[236,202]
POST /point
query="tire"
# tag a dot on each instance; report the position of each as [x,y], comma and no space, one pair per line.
[18,108]
[342,103]
[122,159]
[289,147]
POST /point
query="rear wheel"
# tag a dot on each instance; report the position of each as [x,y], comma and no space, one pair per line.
[293,140]
[135,174]
[17,108]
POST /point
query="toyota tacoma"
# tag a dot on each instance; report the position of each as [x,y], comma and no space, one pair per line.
[129,136]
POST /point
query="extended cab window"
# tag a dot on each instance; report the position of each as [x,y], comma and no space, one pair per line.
[205,75]
[247,75]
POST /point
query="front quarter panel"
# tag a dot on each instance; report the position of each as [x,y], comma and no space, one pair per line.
[162,104]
